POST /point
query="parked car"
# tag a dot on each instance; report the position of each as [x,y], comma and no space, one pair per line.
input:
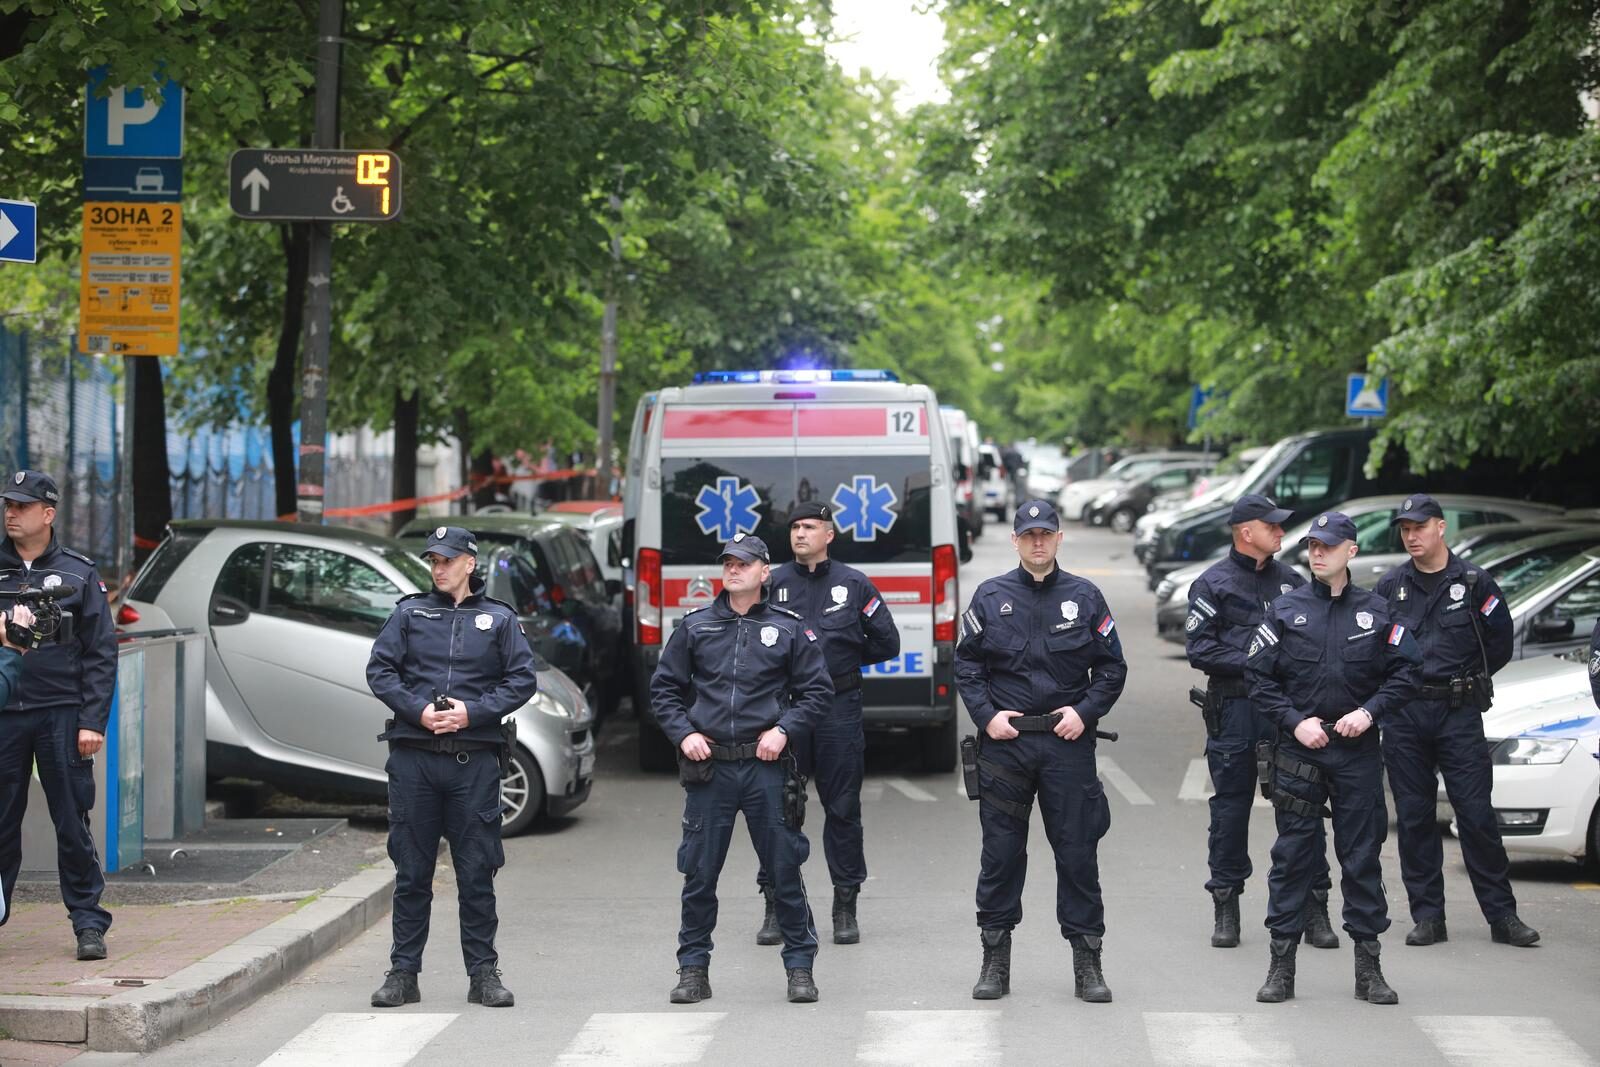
[544,569]
[1478,540]
[1543,744]
[1047,471]
[1075,497]
[1121,505]
[1516,565]
[999,496]
[1377,537]
[1557,613]
[290,613]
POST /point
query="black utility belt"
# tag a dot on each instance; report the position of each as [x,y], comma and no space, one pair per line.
[1035,724]
[444,744]
[734,753]
[1227,687]
[848,682]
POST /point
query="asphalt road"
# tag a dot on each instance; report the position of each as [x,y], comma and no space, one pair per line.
[589,911]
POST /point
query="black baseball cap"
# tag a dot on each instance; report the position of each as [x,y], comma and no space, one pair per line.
[1416,508]
[747,547]
[1035,515]
[1254,506]
[27,486]
[1331,528]
[448,542]
[813,510]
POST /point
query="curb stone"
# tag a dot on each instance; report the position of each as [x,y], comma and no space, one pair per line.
[204,993]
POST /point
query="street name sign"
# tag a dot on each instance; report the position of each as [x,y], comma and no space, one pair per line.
[330,184]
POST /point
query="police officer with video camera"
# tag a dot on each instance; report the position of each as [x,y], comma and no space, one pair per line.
[1327,665]
[57,714]
[1461,620]
[738,677]
[1226,604]
[854,628]
[450,663]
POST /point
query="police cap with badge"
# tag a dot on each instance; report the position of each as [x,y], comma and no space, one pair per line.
[1331,528]
[814,510]
[448,542]
[26,487]
[1418,507]
[1254,506]
[1035,515]
[746,547]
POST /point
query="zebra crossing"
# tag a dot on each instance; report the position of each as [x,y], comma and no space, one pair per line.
[916,1038]
[1195,786]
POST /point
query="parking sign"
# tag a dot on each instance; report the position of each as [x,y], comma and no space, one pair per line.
[126,121]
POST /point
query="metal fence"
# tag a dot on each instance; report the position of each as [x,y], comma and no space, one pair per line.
[60,412]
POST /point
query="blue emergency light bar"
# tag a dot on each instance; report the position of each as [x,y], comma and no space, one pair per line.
[791,377]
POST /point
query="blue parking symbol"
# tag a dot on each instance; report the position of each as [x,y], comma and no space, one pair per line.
[1366,397]
[127,121]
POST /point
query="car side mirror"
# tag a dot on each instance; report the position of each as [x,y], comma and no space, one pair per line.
[228,611]
[1552,628]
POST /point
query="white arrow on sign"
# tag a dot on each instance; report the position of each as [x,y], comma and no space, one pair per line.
[8,230]
[255,181]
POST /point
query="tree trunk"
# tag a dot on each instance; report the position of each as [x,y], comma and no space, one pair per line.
[464,454]
[482,471]
[404,485]
[281,382]
[152,487]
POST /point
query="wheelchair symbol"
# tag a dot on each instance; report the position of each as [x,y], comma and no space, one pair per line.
[341,204]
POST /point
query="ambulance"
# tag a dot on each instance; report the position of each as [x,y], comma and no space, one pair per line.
[734,452]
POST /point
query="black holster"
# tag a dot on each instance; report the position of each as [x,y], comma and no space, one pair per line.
[1210,704]
[794,793]
[508,741]
[1266,767]
[695,772]
[969,767]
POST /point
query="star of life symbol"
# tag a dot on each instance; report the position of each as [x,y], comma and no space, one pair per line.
[1364,619]
[727,509]
[1069,610]
[865,507]
[769,635]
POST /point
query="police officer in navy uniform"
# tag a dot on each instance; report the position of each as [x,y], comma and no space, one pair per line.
[1461,620]
[57,715]
[736,679]
[454,643]
[1226,604]
[854,629]
[10,677]
[1327,665]
[1038,665]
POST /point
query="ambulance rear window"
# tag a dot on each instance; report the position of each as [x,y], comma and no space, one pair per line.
[881,505]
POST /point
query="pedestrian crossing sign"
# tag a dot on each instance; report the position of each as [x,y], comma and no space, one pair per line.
[1366,397]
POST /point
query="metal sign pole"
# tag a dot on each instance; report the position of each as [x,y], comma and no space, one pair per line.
[319,301]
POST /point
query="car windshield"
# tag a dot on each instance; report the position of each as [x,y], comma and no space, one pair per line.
[1049,463]
[1250,480]
[1552,578]
[408,564]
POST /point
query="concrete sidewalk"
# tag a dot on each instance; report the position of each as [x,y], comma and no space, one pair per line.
[195,954]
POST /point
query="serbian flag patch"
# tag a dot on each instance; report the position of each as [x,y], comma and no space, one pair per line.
[1396,633]
[871,608]
[1489,605]
[1107,624]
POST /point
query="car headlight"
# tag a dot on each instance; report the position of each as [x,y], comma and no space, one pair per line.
[1523,751]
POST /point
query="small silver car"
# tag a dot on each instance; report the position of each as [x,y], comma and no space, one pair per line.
[291,612]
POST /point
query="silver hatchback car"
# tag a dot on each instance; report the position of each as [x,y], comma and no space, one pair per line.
[290,612]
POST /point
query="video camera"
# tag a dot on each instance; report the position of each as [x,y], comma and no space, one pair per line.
[49,621]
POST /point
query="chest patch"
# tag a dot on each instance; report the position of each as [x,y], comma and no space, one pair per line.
[1285,588]
[839,593]
[1457,591]
[431,614]
[1006,609]
[1299,620]
[1401,596]
[51,581]
[769,635]
[483,622]
[1364,619]
[1069,610]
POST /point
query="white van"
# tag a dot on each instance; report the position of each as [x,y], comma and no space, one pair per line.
[963,433]
[736,451]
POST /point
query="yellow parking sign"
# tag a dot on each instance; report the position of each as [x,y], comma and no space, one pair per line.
[128,299]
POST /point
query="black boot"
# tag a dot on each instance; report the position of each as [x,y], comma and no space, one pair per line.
[769,934]
[92,944]
[1509,930]
[399,987]
[994,976]
[845,930]
[485,988]
[802,987]
[1279,985]
[1319,929]
[694,985]
[1088,981]
[1428,932]
[1370,984]
[1225,926]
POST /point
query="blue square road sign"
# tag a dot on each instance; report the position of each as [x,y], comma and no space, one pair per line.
[19,231]
[1366,397]
[129,122]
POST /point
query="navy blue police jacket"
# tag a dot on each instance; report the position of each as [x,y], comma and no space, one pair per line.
[842,607]
[1466,606]
[80,673]
[732,677]
[1035,646]
[1321,656]
[1226,604]
[474,652]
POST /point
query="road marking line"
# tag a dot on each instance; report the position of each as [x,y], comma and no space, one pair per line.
[1122,783]
[909,790]
[1492,1039]
[871,791]
[1197,784]
[642,1039]
[1191,1039]
[914,1038]
[341,1038]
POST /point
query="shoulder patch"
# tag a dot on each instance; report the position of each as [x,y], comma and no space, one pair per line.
[871,607]
[1205,605]
[691,611]
[75,554]
[409,596]
[1265,634]
[786,611]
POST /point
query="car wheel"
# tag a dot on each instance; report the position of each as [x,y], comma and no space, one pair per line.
[1592,860]
[521,793]
[1122,520]
[938,747]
